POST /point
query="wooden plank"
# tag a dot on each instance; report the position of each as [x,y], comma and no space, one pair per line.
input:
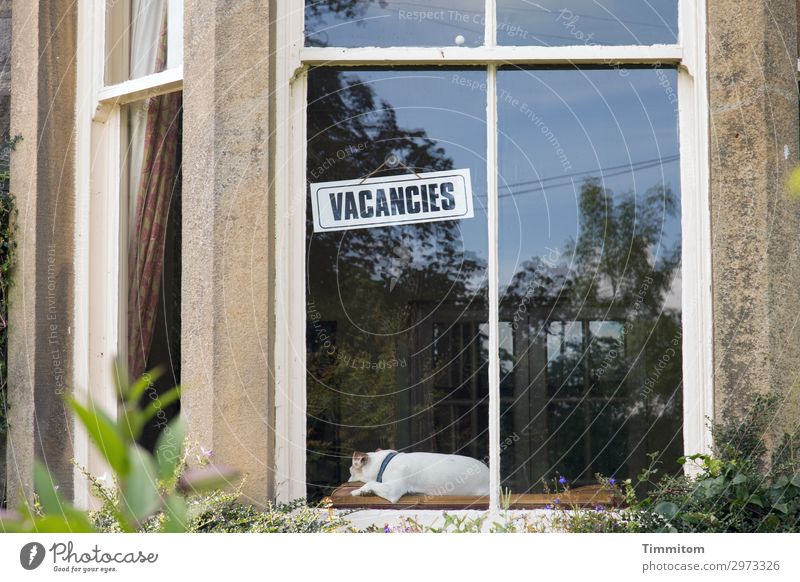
[589,496]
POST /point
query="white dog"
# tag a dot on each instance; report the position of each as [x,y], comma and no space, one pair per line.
[391,475]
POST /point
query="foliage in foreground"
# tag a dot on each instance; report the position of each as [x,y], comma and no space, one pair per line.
[147,483]
[154,492]
[7,252]
[221,512]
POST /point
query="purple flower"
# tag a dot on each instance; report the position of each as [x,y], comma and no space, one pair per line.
[548,506]
[612,481]
[387,529]
[562,480]
[556,500]
[598,508]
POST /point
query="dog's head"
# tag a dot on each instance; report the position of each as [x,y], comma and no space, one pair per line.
[359,467]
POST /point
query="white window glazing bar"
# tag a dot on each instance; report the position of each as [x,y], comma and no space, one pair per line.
[494,299]
[698,362]
[544,55]
[143,87]
[290,309]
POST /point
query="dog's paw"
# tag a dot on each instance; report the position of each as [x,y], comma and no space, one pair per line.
[360,491]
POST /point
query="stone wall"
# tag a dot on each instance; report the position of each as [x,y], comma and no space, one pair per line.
[43,182]
[226,319]
[755,225]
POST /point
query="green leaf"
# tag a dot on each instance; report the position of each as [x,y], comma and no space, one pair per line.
[46,490]
[160,403]
[53,505]
[782,507]
[139,387]
[169,448]
[105,435]
[755,500]
[175,512]
[140,495]
[739,479]
[781,481]
[666,509]
[72,523]
[796,480]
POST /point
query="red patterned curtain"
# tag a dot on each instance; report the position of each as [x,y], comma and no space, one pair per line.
[149,227]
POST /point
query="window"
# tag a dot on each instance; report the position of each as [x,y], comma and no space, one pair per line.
[559,331]
[128,148]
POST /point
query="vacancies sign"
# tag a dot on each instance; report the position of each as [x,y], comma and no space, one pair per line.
[406,199]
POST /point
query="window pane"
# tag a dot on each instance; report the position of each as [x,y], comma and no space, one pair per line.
[151,213]
[136,38]
[396,339]
[590,278]
[384,23]
[587,22]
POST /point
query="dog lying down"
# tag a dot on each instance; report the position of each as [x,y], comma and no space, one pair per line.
[390,475]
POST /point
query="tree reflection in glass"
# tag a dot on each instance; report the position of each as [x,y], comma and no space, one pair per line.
[395,352]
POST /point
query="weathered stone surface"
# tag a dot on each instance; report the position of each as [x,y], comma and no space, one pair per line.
[42,170]
[227,238]
[755,225]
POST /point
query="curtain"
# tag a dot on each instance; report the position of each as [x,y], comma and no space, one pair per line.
[146,19]
[157,179]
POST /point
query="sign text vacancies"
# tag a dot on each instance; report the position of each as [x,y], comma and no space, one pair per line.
[406,199]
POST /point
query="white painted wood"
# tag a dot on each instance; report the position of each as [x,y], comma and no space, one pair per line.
[490,17]
[137,89]
[175,34]
[698,363]
[290,212]
[492,55]
[494,290]
[99,226]
[85,73]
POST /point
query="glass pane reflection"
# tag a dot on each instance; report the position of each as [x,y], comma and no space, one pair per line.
[587,22]
[590,272]
[385,23]
[396,339]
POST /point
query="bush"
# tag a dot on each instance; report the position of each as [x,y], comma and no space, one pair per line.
[7,247]
[221,512]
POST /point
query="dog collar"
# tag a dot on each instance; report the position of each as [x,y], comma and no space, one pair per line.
[385,464]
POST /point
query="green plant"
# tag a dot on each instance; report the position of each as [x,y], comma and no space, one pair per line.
[150,490]
[7,248]
[737,489]
[221,512]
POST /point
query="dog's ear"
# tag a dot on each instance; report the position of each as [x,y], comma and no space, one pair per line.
[359,459]
[378,450]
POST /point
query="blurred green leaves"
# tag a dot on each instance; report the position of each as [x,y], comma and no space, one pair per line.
[146,484]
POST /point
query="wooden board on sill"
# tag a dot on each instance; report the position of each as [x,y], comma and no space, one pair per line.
[587,496]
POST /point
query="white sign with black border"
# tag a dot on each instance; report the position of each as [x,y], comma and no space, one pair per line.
[390,200]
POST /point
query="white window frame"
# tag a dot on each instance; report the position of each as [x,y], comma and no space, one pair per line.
[292,62]
[100,225]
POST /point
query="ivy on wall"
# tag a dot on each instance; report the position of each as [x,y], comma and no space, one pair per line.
[7,247]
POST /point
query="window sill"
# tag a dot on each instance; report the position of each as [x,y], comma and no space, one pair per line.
[588,496]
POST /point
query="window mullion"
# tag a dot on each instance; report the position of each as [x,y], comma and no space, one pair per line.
[490,32]
[494,299]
